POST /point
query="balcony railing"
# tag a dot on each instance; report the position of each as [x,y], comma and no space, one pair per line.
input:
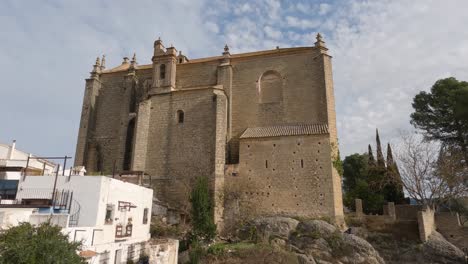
[120,232]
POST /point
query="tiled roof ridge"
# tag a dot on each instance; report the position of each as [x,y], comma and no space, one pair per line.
[285,130]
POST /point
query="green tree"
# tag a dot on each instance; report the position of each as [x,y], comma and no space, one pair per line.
[442,113]
[44,244]
[202,210]
[359,181]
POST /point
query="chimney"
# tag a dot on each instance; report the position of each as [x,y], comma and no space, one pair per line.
[11,151]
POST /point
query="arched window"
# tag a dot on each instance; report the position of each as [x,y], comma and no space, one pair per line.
[270,87]
[162,71]
[180,116]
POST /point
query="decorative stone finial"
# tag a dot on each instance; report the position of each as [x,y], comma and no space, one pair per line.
[125,60]
[319,37]
[158,41]
[226,51]
[96,68]
[134,59]
[320,43]
[103,62]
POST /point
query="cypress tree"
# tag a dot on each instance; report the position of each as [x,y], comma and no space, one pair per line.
[202,210]
[380,157]
[393,188]
[371,160]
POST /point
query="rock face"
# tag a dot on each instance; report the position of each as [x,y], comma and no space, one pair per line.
[438,250]
[269,227]
[313,241]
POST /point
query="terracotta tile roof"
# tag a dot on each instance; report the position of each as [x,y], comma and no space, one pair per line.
[88,253]
[285,130]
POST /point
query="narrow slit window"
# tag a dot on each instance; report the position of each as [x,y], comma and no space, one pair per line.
[302,163]
[266,164]
[180,116]
[162,71]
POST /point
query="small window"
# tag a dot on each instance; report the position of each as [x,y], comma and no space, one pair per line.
[109,214]
[145,216]
[180,116]
[162,71]
[266,164]
[302,163]
[180,60]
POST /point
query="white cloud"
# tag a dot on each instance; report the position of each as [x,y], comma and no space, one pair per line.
[243,8]
[301,23]
[272,33]
[324,8]
[385,53]
[212,27]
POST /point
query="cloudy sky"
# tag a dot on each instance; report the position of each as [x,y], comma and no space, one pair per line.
[384,53]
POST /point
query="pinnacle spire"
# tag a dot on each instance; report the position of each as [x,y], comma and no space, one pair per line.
[134,61]
[103,62]
[380,158]
[96,68]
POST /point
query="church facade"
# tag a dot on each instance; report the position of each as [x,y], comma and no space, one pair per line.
[261,126]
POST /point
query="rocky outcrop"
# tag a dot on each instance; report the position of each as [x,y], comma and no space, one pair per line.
[313,241]
[438,250]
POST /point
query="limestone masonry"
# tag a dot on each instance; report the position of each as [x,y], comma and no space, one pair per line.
[260,125]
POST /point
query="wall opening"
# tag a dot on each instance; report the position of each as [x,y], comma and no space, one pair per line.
[132,102]
[162,71]
[266,164]
[180,116]
[129,145]
[302,163]
[270,87]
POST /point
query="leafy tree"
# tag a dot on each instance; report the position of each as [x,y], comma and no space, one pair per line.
[443,113]
[359,181]
[202,210]
[44,244]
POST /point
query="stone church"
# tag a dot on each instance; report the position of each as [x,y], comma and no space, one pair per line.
[260,125]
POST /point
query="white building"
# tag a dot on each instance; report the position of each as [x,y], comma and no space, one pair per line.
[110,216]
[13,162]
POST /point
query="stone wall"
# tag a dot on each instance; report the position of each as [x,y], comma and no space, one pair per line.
[162,251]
[303,95]
[287,175]
[178,153]
[407,211]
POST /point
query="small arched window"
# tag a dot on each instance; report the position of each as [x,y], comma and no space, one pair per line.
[270,87]
[162,71]
[180,116]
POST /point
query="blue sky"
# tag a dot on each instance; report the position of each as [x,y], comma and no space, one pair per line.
[384,52]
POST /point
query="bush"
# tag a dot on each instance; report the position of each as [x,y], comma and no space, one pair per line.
[25,243]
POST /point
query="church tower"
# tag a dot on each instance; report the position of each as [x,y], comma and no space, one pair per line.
[164,68]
